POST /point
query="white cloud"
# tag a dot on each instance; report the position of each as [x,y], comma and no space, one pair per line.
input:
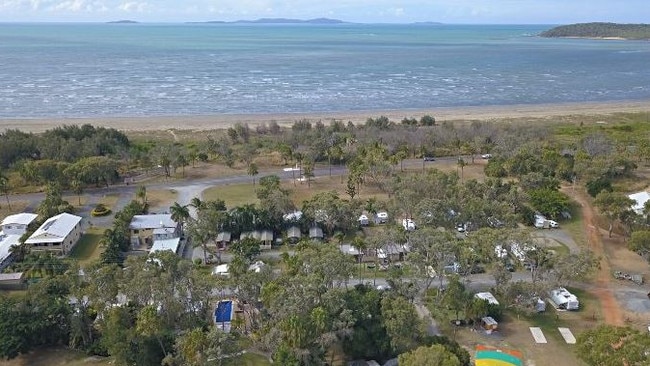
[133,7]
[71,5]
[469,11]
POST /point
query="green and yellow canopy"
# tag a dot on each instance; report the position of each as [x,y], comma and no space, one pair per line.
[488,356]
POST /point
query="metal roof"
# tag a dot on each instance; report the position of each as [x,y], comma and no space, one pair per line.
[20,219]
[144,222]
[55,229]
[165,244]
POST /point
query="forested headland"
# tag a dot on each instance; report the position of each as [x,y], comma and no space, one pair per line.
[600,30]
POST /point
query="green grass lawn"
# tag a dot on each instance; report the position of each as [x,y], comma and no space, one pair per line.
[110,200]
[234,194]
[575,226]
[88,249]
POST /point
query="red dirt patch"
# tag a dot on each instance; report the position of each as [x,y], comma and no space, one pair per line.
[611,309]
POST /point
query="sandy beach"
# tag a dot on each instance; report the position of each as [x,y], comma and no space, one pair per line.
[201,123]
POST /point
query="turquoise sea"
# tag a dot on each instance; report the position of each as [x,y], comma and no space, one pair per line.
[108,70]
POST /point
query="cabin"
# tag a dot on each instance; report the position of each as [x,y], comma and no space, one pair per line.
[145,229]
[392,252]
[12,229]
[58,234]
[223,239]
[316,233]
[265,237]
[563,299]
[489,324]
[13,281]
[294,234]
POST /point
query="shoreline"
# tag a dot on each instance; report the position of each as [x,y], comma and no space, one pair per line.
[223,121]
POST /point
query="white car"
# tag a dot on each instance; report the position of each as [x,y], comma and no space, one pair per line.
[408,224]
[382,217]
[486,156]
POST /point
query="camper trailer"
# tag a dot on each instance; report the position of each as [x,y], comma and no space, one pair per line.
[565,300]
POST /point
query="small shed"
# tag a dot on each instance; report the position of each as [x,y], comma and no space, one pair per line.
[12,281]
[294,234]
[223,239]
[315,232]
[489,324]
[265,237]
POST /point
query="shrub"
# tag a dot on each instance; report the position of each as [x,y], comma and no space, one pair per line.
[100,210]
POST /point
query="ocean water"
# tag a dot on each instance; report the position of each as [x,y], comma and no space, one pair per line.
[111,70]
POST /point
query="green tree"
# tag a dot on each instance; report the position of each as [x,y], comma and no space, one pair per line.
[253,171]
[613,205]
[248,248]
[640,243]
[308,171]
[402,323]
[141,193]
[180,213]
[549,202]
[4,187]
[435,355]
[77,188]
[608,345]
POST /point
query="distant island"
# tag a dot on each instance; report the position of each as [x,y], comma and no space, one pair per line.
[277,21]
[601,31]
[125,21]
[427,23]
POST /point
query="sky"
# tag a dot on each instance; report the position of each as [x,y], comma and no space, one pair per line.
[362,11]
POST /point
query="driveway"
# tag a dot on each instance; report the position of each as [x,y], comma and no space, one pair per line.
[560,236]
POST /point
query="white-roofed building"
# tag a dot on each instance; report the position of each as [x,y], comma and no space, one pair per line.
[173,244]
[145,229]
[11,229]
[17,224]
[639,198]
[58,234]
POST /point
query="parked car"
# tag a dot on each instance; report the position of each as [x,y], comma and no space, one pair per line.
[486,156]
[408,224]
[429,158]
[382,217]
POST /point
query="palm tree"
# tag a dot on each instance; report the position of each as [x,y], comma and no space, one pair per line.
[252,171]
[141,193]
[4,188]
[180,213]
[77,188]
[197,203]
[361,246]
[461,165]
